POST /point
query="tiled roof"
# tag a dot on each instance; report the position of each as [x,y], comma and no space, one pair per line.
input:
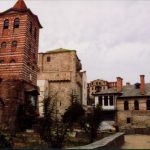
[130,90]
[127,91]
[20,5]
[60,50]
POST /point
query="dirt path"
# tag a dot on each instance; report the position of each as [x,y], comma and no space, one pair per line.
[136,141]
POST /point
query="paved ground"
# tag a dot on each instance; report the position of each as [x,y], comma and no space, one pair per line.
[137,141]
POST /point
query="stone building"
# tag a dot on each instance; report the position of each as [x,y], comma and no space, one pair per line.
[62,69]
[19,38]
[128,105]
[97,86]
[133,106]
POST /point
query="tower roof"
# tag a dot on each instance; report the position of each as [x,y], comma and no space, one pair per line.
[20,5]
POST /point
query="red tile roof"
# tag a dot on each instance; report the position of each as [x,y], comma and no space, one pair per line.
[20,5]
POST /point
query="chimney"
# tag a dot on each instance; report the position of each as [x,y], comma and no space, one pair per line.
[119,84]
[142,82]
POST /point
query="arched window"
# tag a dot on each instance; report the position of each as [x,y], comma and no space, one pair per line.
[148,104]
[126,105]
[3,45]
[16,23]
[12,61]
[6,24]
[14,44]
[136,105]
[1,61]
[30,27]
[48,59]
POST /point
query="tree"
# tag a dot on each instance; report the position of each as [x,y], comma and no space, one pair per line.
[91,122]
[54,128]
[73,113]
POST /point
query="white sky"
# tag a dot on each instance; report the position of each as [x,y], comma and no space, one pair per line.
[112,37]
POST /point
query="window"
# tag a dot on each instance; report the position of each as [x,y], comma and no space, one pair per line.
[148,104]
[128,120]
[3,45]
[136,105]
[33,67]
[14,44]
[1,61]
[6,24]
[126,105]
[105,100]
[34,56]
[30,27]
[35,33]
[111,101]
[16,23]
[48,59]
[100,100]
[12,61]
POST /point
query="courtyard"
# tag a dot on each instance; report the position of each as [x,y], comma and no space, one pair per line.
[136,141]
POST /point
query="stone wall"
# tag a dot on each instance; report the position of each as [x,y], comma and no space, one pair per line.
[138,118]
[112,141]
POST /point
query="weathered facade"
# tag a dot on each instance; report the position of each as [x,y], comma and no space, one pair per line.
[133,106]
[61,68]
[19,38]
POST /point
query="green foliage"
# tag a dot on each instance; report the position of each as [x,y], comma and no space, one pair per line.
[91,122]
[5,141]
[73,113]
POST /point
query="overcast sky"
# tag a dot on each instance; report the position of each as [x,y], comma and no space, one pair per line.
[112,37]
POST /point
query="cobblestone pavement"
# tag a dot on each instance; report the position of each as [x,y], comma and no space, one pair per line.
[136,141]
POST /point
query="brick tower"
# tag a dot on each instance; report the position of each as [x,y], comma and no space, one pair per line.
[19,38]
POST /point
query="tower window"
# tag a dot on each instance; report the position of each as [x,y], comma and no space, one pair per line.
[1,61]
[126,105]
[128,120]
[48,59]
[29,47]
[6,24]
[12,61]
[3,45]
[16,23]
[148,104]
[14,44]
[30,27]
[136,105]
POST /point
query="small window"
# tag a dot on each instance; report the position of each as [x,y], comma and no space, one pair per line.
[148,104]
[12,61]
[14,44]
[16,23]
[1,61]
[48,59]
[111,101]
[105,100]
[136,105]
[128,120]
[3,45]
[100,100]
[126,105]
[35,33]
[33,67]
[6,24]
[30,27]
